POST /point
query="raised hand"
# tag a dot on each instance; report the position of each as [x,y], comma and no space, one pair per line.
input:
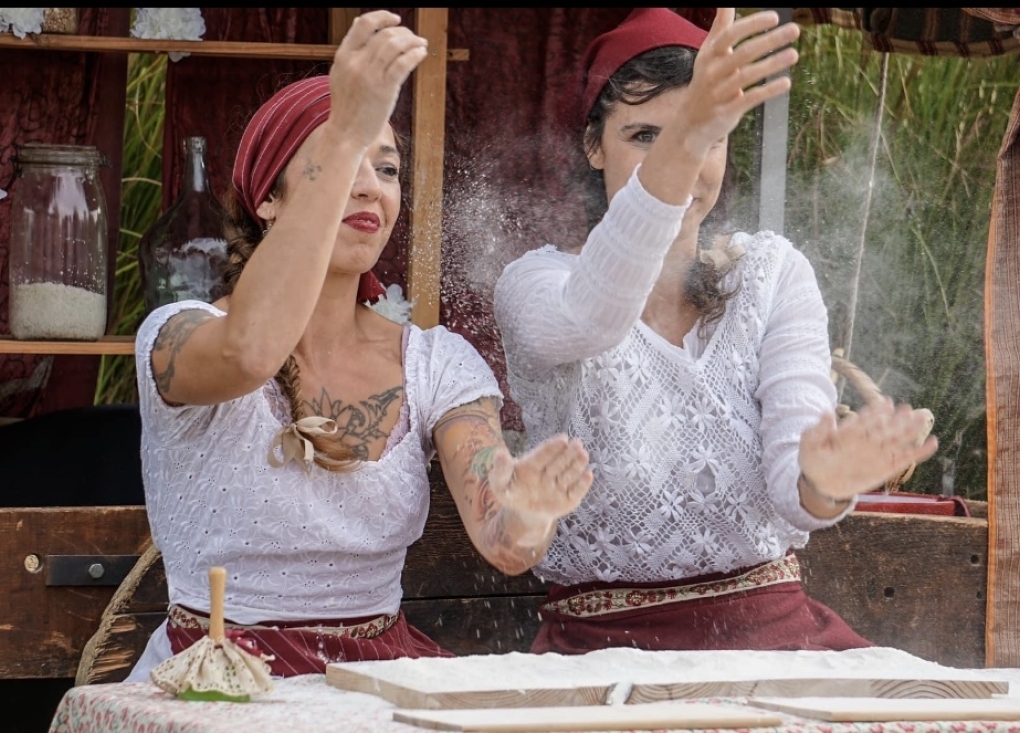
[737,55]
[542,485]
[865,449]
[369,67]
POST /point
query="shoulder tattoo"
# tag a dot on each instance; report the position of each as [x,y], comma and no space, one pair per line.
[170,340]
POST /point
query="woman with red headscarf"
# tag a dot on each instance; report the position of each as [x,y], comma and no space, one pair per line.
[697,377]
[287,429]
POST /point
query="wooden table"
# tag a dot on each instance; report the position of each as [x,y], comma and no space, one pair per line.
[308,704]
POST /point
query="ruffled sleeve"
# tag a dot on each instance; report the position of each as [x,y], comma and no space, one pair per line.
[171,422]
[795,388]
[451,373]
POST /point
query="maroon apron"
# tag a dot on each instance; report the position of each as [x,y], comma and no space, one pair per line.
[762,608]
[305,647]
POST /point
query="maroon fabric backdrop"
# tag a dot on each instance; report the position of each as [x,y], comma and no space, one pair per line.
[68,99]
[507,185]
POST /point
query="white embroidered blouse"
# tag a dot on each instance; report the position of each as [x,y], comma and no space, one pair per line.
[694,449]
[296,545]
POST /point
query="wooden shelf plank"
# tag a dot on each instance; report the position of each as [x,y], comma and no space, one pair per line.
[237,49]
[107,345]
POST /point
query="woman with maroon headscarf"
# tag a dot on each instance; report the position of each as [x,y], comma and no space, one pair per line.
[697,377]
[287,429]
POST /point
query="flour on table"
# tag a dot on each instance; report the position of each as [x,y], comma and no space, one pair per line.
[521,671]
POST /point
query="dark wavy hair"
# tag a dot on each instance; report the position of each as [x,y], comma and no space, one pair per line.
[643,78]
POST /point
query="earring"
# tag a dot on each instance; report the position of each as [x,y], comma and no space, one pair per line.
[269,225]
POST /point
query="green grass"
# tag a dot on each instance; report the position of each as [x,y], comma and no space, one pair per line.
[918,325]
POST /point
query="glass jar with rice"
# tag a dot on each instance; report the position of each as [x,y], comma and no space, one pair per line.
[58,260]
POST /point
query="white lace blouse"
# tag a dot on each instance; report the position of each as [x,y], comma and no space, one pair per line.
[296,545]
[694,449]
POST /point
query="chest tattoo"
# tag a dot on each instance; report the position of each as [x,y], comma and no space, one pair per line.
[359,424]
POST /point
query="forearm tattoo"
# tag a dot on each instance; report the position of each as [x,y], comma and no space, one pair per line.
[170,341]
[359,425]
[480,439]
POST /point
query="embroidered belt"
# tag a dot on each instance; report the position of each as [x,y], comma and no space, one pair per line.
[185,619]
[601,602]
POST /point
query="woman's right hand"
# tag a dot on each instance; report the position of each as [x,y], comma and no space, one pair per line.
[737,55]
[839,459]
[541,486]
[369,67]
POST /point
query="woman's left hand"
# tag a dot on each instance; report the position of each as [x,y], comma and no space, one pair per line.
[542,485]
[865,449]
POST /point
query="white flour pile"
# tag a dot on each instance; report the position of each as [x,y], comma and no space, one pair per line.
[530,671]
[56,311]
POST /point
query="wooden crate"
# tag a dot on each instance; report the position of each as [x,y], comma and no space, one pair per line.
[45,617]
[912,582]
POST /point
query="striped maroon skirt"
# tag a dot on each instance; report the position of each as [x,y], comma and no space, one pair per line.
[305,647]
[762,608]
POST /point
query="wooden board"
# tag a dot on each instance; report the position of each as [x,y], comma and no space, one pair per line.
[823,687]
[43,629]
[631,676]
[406,696]
[862,710]
[886,575]
[604,717]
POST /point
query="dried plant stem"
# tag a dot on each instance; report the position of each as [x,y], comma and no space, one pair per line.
[859,256]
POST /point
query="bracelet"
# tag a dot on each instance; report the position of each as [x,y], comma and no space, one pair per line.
[803,482]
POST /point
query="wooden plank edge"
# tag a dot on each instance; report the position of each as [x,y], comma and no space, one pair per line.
[238,49]
[107,345]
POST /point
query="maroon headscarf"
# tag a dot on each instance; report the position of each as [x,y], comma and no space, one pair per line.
[270,141]
[644,29]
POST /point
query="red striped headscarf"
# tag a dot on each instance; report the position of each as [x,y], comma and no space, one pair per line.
[270,141]
[643,30]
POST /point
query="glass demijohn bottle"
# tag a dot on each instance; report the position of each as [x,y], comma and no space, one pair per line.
[183,254]
[58,246]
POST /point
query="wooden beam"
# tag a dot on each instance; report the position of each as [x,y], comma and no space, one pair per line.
[424,258]
[225,49]
[340,21]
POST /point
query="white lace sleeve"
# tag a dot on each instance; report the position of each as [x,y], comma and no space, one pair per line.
[454,374]
[165,420]
[554,309]
[795,387]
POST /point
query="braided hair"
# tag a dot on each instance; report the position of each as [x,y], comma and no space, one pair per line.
[244,234]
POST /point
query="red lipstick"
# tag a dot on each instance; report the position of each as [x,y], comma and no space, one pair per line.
[363,221]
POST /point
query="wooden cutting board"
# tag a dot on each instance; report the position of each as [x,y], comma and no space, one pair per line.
[865,710]
[394,684]
[820,687]
[406,694]
[656,716]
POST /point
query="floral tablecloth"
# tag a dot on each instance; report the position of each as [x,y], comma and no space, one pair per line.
[308,704]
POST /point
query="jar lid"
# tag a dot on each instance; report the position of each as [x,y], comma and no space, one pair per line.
[45,154]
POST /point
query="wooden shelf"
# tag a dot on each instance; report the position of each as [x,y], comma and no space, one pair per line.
[106,345]
[237,49]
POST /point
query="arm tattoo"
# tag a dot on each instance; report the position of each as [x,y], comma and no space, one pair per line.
[171,338]
[358,424]
[482,439]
